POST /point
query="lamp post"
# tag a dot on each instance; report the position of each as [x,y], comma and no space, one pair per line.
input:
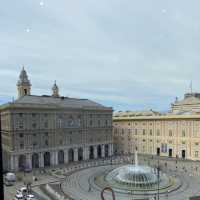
[1,164]
[158,178]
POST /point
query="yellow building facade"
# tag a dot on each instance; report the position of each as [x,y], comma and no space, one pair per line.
[172,134]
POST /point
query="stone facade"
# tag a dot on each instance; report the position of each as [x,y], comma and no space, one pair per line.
[173,134]
[41,131]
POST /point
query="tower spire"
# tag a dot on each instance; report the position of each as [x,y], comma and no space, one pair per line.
[55,90]
[23,84]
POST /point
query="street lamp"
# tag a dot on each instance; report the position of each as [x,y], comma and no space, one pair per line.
[1,164]
[158,178]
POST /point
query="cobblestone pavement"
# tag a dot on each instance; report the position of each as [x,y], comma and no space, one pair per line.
[78,185]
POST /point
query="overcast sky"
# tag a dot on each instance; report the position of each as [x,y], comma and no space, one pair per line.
[123,53]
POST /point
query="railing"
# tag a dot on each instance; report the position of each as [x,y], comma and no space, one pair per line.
[109,189]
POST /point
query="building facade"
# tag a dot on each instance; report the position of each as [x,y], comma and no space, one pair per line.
[172,134]
[42,131]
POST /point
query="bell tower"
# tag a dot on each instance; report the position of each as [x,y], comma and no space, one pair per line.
[23,84]
[55,90]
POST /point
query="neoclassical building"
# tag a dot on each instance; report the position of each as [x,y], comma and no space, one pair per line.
[41,131]
[172,134]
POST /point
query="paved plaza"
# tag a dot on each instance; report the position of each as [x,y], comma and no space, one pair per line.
[78,181]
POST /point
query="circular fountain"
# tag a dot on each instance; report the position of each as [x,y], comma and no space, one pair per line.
[135,176]
[138,178]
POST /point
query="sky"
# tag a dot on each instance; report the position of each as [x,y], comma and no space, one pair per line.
[128,54]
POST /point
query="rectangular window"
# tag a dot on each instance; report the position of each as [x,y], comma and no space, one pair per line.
[46,142]
[183,133]
[196,154]
[170,133]
[34,125]
[144,132]
[46,134]
[34,144]
[21,135]
[151,132]
[21,145]
[158,132]
[20,114]
[106,123]
[46,124]
[21,125]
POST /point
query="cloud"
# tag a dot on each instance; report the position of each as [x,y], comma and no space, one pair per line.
[123,53]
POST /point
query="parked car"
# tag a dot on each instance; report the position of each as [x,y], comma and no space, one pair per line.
[18,196]
[23,191]
[9,179]
[30,197]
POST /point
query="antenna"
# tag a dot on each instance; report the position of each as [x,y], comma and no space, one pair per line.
[191,87]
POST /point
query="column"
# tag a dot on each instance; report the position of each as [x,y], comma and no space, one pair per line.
[29,161]
[52,158]
[12,163]
[75,154]
[86,153]
[95,152]
[102,150]
[41,159]
[66,160]
[110,149]
[16,163]
[55,158]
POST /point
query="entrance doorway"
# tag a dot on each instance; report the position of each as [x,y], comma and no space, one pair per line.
[183,154]
[61,157]
[158,151]
[106,150]
[91,155]
[99,151]
[71,155]
[35,160]
[80,154]
[47,159]
[170,152]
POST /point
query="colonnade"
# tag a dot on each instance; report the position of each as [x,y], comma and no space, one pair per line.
[59,156]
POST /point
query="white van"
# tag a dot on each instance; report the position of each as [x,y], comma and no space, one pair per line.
[10,179]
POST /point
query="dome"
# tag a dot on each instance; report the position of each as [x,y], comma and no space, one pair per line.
[134,175]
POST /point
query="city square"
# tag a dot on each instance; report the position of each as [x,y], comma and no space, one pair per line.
[99,100]
[83,180]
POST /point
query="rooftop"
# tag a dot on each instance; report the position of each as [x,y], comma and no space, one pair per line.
[55,102]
